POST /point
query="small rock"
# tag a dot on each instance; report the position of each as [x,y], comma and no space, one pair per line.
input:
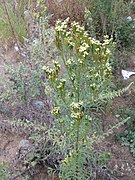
[117,115]
[129,19]
[5,110]
[26,150]
[24,145]
[16,47]
[35,42]
[38,105]
[1,52]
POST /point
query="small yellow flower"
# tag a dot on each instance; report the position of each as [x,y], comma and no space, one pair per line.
[56,111]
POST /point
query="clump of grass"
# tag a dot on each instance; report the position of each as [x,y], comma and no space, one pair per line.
[18,23]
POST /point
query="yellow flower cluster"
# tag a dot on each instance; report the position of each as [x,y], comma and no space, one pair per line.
[52,74]
[76,112]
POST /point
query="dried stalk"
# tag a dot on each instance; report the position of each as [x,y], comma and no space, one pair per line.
[10,23]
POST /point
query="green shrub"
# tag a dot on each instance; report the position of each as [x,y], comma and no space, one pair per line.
[127,138]
[24,83]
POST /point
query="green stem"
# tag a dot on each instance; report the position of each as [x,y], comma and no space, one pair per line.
[67,70]
[55,90]
[78,125]
[78,93]
[66,107]
[77,149]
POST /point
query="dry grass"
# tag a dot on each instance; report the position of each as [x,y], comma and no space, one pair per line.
[61,9]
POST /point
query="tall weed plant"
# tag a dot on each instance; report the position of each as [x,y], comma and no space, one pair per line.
[80,83]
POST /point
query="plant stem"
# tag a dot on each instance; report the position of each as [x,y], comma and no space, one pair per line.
[69,75]
[9,20]
[77,149]
[78,125]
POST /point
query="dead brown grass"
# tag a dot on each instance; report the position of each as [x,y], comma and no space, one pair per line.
[61,9]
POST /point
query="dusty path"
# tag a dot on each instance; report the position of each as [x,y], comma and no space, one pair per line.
[8,146]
